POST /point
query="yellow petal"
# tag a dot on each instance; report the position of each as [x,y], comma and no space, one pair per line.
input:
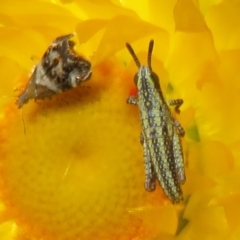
[211,159]
[112,40]
[222,19]
[231,208]
[158,219]
[188,18]
[208,223]
[38,13]
[87,29]
[196,182]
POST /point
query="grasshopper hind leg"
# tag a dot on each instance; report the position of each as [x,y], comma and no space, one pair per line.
[181,131]
[150,178]
[177,103]
[178,157]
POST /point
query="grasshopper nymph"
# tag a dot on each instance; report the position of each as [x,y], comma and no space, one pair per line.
[161,132]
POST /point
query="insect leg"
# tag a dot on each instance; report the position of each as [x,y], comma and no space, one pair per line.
[179,127]
[133,100]
[150,179]
[177,103]
[178,158]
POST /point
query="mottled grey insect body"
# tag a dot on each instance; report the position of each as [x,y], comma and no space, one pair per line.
[160,135]
[60,69]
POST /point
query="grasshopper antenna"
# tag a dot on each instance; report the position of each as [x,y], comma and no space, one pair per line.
[149,57]
[131,51]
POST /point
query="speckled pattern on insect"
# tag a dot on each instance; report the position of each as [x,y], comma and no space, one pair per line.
[60,69]
[161,132]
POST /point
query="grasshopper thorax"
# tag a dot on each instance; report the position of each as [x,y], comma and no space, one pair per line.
[145,78]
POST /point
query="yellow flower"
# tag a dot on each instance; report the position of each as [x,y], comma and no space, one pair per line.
[78,171]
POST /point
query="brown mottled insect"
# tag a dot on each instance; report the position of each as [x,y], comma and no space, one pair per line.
[60,69]
[160,137]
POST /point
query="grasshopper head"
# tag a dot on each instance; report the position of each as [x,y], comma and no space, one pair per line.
[145,72]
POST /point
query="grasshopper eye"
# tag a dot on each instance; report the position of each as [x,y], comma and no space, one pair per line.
[155,79]
[135,79]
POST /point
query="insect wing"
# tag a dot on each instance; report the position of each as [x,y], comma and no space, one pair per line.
[161,152]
